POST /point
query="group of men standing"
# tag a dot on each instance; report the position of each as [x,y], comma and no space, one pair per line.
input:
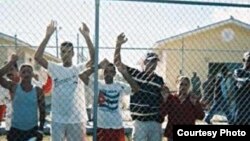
[148,90]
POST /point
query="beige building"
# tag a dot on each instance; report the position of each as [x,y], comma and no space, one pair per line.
[203,50]
[10,45]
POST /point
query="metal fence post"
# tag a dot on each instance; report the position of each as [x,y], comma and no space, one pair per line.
[97,6]
[78,46]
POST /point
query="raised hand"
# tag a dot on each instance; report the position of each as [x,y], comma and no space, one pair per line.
[121,39]
[103,64]
[4,70]
[13,58]
[84,30]
[51,28]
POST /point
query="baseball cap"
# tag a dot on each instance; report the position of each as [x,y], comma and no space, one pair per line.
[246,55]
[26,65]
[151,56]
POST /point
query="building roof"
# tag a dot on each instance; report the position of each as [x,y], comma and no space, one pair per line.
[205,28]
[13,39]
[23,44]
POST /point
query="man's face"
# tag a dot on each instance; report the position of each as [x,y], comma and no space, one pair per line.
[150,65]
[26,72]
[66,53]
[109,73]
[183,86]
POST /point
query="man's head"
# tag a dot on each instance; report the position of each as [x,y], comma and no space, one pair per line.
[26,72]
[150,62]
[109,73]
[246,60]
[194,74]
[67,52]
[183,84]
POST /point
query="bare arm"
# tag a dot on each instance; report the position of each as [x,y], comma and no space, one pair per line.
[84,76]
[134,86]
[85,32]
[121,39]
[8,84]
[40,51]
[41,106]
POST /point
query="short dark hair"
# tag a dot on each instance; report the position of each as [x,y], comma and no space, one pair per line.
[110,65]
[66,44]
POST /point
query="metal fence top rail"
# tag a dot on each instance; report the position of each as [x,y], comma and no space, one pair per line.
[204,3]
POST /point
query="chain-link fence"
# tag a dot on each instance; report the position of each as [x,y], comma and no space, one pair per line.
[177,62]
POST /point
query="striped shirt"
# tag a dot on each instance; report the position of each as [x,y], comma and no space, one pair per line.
[145,104]
[242,96]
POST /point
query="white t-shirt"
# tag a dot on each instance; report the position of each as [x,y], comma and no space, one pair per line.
[109,113]
[68,100]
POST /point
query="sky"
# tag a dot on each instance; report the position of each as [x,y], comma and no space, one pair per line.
[143,23]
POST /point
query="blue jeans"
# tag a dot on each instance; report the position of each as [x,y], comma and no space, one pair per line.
[147,131]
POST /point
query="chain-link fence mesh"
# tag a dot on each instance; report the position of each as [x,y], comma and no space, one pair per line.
[202,40]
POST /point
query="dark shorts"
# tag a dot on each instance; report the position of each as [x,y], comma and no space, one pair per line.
[110,134]
[15,134]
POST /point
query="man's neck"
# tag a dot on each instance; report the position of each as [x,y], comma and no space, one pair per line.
[109,82]
[149,72]
[26,85]
[67,64]
[182,97]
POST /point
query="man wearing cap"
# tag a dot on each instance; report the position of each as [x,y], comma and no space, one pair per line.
[28,106]
[242,76]
[144,104]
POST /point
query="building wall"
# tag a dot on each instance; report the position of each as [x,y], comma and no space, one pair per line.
[25,53]
[5,47]
[5,42]
[195,52]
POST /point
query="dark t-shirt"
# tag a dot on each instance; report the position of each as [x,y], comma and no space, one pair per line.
[145,104]
[242,97]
